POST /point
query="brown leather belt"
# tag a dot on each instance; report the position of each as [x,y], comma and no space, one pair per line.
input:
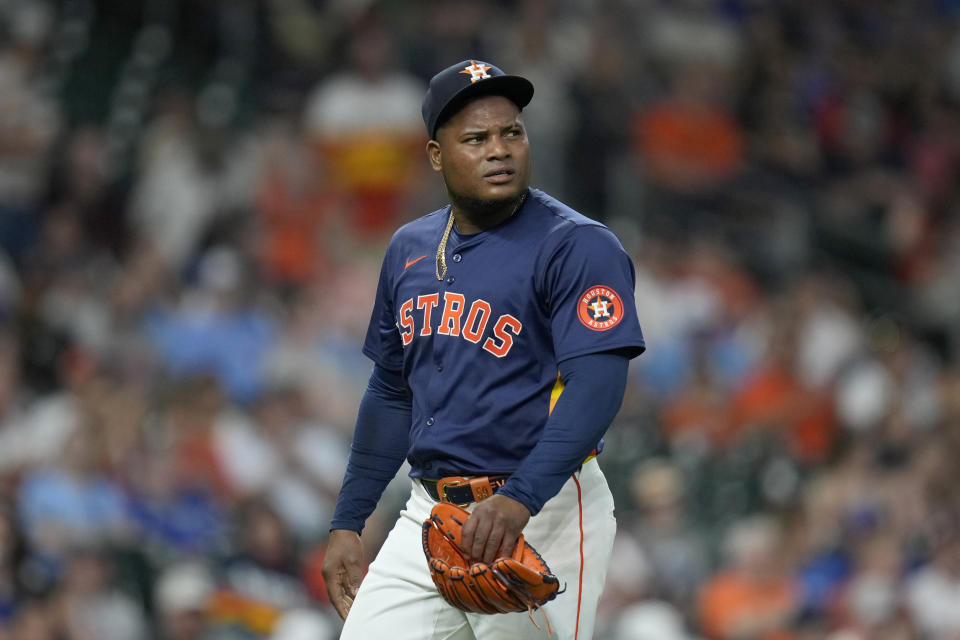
[462,491]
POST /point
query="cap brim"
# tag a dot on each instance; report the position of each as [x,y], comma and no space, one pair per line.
[517,89]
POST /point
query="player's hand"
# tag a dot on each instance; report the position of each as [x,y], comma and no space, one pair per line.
[493,527]
[343,569]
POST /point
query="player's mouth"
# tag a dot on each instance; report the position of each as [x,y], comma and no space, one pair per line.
[499,176]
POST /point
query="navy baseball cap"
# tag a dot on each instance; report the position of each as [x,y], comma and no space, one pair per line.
[451,89]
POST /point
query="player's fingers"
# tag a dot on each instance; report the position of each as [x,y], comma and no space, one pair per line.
[343,589]
[508,544]
[342,569]
[350,586]
[494,542]
[467,533]
[338,598]
[470,532]
[481,533]
[346,600]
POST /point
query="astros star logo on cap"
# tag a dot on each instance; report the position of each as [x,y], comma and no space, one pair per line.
[477,71]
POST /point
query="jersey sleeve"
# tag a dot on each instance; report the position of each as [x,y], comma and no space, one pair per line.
[589,288]
[383,344]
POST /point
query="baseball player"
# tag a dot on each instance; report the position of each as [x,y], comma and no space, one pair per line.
[501,336]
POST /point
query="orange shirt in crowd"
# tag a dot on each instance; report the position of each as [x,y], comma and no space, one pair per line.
[773,398]
[686,146]
[197,460]
[699,410]
[291,250]
[730,603]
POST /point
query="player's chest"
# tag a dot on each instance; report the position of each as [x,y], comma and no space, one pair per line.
[485,300]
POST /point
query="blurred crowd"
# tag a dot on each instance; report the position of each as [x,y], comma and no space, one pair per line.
[194,199]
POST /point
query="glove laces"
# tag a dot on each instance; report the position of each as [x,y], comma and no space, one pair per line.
[527,597]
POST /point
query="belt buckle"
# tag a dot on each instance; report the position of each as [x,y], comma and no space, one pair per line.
[442,485]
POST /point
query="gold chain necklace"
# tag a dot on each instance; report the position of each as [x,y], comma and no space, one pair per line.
[441,262]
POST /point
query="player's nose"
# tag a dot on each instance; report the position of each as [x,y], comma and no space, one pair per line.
[497,149]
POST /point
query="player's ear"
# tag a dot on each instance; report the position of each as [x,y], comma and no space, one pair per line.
[433,153]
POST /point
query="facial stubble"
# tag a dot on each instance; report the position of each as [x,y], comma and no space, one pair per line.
[484,212]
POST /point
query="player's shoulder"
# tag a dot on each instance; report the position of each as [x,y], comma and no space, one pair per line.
[433,222]
[546,205]
[557,222]
[412,235]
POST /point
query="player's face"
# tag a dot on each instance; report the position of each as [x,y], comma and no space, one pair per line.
[483,151]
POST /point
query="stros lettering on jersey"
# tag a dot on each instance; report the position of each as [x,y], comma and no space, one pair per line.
[481,347]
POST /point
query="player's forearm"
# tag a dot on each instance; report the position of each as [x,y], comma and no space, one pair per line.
[593,391]
[380,443]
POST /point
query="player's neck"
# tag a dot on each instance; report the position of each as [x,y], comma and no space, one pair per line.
[473,216]
[468,225]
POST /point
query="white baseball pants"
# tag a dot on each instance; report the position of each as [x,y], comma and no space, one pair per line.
[573,532]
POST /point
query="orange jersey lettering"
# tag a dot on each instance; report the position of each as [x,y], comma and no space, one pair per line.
[452,310]
[427,303]
[506,323]
[406,322]
[476,322]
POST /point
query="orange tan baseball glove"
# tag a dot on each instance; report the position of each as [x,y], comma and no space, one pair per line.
[520,582]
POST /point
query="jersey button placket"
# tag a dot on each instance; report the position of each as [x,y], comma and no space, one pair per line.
[456,257]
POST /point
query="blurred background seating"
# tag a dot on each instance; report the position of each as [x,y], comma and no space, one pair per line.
[194,200]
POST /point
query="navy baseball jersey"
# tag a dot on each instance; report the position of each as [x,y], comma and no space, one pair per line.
[480,348]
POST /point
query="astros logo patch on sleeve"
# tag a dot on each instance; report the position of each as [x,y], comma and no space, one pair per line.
[600,308]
